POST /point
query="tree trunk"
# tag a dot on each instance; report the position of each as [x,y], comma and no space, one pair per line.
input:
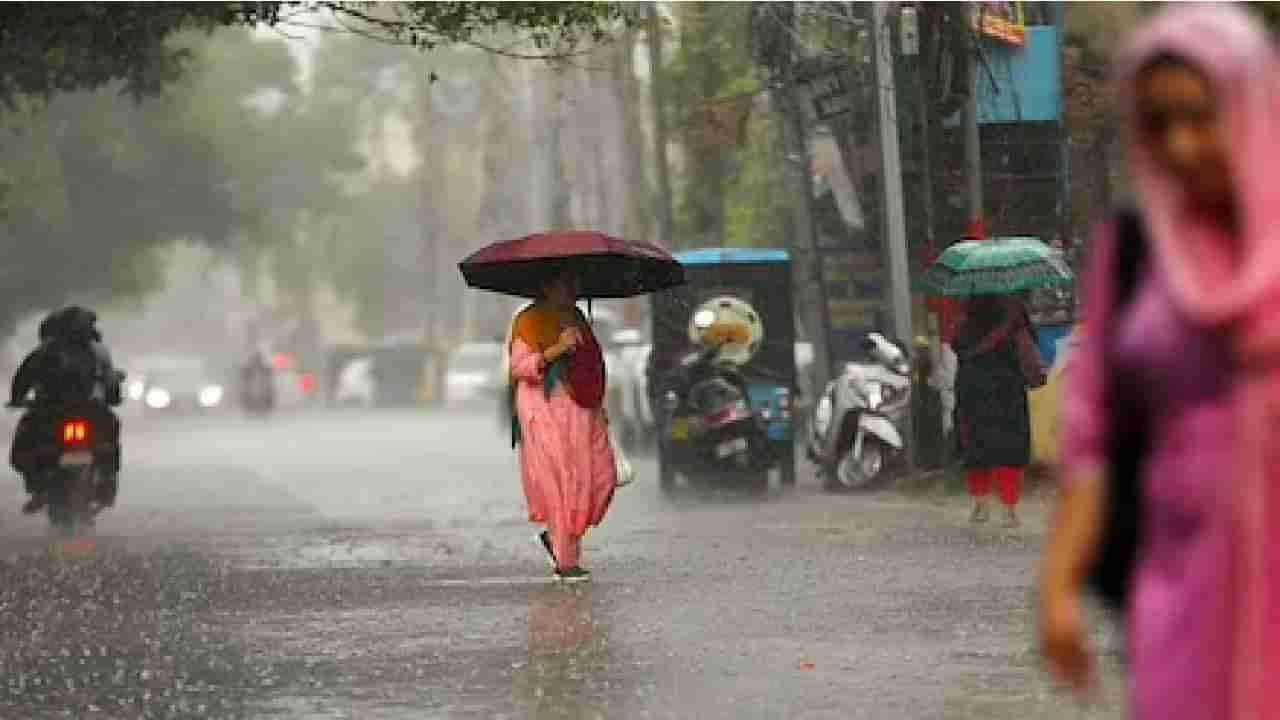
[703,194]
[592,113]
[806,273]
[560,208]
[657,99]
[636,224]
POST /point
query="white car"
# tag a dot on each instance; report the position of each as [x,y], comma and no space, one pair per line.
[356,385]
[470,377]
[637,416]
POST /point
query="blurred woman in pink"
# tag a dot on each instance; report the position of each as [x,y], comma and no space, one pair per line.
[1191,348]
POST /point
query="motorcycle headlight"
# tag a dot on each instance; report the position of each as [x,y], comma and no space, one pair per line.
[875,395]
[822,415]
[672,400]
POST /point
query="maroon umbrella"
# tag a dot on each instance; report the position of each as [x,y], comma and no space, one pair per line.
[605,266]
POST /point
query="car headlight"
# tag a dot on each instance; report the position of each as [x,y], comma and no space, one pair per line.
[158,398]
[211,396]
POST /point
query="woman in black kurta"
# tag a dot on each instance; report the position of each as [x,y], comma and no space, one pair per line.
[991,402]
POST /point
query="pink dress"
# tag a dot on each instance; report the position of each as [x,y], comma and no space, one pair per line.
[1199,346]
[566,462]
[1179,633]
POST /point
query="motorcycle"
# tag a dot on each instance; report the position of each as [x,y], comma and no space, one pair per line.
[855,431]
[711,427]
[68,456]
[257,394]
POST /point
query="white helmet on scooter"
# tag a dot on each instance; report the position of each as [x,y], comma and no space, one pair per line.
[732,323]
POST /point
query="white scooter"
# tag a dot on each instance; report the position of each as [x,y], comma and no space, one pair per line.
[855,430]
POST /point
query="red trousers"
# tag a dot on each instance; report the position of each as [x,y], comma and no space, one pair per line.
[1008,482]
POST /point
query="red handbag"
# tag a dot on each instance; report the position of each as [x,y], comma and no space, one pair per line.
[584,373]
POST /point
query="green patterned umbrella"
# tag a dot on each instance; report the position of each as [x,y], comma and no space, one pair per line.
[996,266]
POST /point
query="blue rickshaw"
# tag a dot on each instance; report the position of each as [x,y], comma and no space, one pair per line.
[748,291]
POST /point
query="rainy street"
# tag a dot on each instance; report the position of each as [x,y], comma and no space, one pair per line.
[378,566]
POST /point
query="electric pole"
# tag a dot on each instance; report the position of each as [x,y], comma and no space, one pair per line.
[808,284]
[973,144]
[895,225]
[891,162]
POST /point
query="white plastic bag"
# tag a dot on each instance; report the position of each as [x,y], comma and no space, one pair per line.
[621,465]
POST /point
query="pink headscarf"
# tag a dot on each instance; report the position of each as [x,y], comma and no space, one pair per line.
[1228,281]
[1219,280]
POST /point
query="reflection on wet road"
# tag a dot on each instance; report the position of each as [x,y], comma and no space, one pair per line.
[379,566]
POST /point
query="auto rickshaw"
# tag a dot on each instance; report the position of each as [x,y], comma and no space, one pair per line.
[736,309]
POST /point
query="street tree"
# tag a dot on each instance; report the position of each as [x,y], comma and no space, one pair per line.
[92,185]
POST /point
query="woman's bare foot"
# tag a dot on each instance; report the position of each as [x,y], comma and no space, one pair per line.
[1011,518]
[979,514]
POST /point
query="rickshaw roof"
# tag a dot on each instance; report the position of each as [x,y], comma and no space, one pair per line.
[729,256]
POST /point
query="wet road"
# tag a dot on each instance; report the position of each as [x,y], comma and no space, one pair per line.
[379,566]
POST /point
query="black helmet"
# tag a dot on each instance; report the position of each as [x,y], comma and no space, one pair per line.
[72,322]
[80,320]
[49,327]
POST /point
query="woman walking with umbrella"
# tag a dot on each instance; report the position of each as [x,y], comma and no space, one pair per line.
[566,463]
[997,358]
[991,401]
[557,371]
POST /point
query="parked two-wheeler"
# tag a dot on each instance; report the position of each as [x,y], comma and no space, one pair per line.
[855,432]
[258,392]
[711,430]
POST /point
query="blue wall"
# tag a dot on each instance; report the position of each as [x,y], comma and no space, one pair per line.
[1029,79]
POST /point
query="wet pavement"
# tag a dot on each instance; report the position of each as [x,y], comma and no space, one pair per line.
[379,566]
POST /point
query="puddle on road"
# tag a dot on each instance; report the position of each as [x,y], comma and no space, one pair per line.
[478,582]
[826,528]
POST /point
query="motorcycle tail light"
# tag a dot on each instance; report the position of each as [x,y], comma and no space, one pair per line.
[75,432]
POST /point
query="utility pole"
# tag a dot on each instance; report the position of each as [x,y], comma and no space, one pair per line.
[973,143]
[891,162]
[895,225]
[657,88]
[808,285]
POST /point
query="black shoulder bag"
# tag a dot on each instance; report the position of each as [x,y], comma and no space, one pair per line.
[1116,553]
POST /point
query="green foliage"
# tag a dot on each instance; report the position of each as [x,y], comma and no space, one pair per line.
[92,186]
[726,194]
[47,48]
[100,183]
[62,47]
[547,25]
